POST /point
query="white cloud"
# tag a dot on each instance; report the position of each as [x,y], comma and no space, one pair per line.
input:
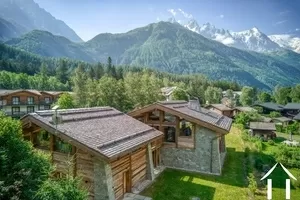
[157,19]
[186,15]
[179,21]
[297,29]
[172,11]
[280,22]
[221,16]
[285,12]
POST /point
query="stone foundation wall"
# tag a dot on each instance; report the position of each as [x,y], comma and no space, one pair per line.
[198,159]
[103,181]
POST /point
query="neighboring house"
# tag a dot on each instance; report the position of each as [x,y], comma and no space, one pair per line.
[221,109]
[291,109]
[270,107]
[297,117]
[110,151]
[240,109]
[167,92]
[194,137]
[17,103]
[263,129]
[284,121]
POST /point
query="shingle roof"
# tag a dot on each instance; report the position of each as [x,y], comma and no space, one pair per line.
[203,115]
[221,107]
[36,92]
[292,106]
[103,129]
[262,126]
[297,117]
[282,119]
[245,109]
[271,106]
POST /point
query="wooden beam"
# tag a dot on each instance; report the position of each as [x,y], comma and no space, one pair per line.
[74,160]
[161,120]
[177,131]
[194,134]
[52,143]
[146,117]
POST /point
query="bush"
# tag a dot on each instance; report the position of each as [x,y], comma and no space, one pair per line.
[271,142]
[252,185]
[279,128]
[290,156]
[274,114]
[296,184]
[259,145]
[258,164]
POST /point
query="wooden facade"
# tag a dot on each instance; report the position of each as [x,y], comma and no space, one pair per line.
[127,171]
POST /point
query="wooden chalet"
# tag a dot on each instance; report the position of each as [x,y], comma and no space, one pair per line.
[270,107]
[110,151]
[221,109]
[194,137]
[263,129]
[291,109]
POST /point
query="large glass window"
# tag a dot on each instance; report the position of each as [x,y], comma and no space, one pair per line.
[43,140]
[47,99]
[15,100]
[62,146]
[30,109]
[15,110]
[30,100]
[170,134]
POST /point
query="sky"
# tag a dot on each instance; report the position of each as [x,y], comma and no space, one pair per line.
[91,17]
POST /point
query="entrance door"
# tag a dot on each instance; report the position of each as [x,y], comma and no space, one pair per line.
[156,157]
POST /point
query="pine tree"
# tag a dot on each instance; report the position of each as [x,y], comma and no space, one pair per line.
[80,90]
[62,71]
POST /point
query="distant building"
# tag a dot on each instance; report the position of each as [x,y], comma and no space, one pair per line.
[291,109]
[235,94]
[270,107]
[263,129]
[284,121]
[221,109]
[17,103]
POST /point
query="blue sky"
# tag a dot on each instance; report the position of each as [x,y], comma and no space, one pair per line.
[91,17]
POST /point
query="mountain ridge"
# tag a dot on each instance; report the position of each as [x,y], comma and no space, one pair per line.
[173,48]
[30,16]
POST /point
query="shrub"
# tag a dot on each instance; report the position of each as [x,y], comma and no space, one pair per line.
[296,183]
[252,185]
[274,114]
[279,128]
[259,145]
[271,142]
[290,156]
[258,164]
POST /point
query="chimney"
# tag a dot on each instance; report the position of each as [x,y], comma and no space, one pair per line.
[194,105]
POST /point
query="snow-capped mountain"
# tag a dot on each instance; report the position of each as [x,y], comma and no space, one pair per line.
[252,39]
[287,41]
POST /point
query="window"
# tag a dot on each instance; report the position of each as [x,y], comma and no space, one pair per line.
[47,99]
[170,134]
[62,146]
[43,140]
[46,107]
[30,109]
[41,107]
[30,100]
[15,110]
[16,100]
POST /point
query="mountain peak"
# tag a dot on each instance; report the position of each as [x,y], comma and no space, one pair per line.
[255,30]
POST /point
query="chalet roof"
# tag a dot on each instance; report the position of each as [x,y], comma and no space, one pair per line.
[292,106]
[282,119]
[36,92]
[262,126]
[202,116]
[245,109]
[271,106]
[103,130]
[221,107]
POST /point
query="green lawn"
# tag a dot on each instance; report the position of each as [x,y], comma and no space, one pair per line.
[175,184]
[181,185]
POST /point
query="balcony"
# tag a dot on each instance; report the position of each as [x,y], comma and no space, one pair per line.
[45,102]
[16,114]
[18,103]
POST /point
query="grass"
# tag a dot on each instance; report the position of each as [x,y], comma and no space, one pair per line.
[181,185]
[175,184]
